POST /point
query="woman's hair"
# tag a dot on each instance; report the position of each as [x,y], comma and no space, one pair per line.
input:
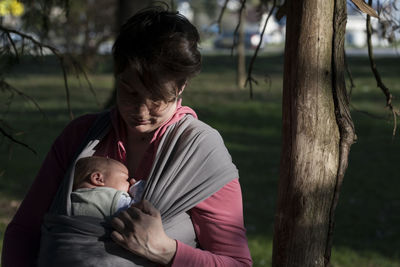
[161,47]
[84,167]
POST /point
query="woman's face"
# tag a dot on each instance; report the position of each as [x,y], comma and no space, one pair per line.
[135,104]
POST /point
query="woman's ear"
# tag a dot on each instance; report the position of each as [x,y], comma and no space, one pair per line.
[97,179]
[182,88]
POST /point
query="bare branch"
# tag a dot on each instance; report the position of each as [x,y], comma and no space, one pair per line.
[377,76]
[71,115]
[6,86]
[369,114]
[53,50]
[366,8]
[236,32]
[250,79]
[13,45]
[221,14]
[78,69]
[12,139]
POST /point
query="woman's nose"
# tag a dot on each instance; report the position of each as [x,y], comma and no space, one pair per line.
[142,108]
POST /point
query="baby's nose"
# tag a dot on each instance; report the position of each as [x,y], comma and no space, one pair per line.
[131,181]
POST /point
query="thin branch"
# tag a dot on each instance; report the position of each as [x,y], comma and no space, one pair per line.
[9,136]
[55,51]
[236,32]
[66,88]
[377,76]
[367,9]
[9,87]
[78,69]
[369,114]
[13,45]
[221,14]
[250,79]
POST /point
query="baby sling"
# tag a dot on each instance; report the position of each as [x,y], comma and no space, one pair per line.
[191,164]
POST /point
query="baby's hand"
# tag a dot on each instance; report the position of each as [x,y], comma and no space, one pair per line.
[136,190]
[132,183]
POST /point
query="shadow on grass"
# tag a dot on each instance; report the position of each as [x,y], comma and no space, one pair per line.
[388,67]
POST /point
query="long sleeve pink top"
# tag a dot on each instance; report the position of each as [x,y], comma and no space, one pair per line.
[218,220]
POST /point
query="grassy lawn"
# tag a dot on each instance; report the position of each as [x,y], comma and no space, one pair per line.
[367,229]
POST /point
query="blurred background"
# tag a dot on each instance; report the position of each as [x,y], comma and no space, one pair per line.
[36,105]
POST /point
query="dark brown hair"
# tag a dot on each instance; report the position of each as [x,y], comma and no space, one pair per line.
[161,47]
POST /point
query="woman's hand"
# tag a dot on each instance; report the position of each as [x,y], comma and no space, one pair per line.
[139,229]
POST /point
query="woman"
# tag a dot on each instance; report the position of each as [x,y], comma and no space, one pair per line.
[155,55]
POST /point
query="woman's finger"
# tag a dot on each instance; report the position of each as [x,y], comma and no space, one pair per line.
[117,238]
[148,208]
[134,213]
[117,224]
[128,218]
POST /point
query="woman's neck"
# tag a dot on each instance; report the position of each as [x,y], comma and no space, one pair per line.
[138,143]
[135,137]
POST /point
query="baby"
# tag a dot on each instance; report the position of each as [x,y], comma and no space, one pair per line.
[101,187]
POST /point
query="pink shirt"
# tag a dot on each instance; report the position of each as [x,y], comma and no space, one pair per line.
[218,220]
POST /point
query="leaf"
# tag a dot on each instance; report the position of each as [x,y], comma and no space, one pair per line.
[364,7]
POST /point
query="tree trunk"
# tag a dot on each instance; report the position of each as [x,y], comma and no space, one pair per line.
[317,132]
[241,53]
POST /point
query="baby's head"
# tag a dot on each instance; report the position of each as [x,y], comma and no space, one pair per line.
[96,171]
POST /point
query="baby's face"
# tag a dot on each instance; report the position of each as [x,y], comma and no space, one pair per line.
[117,177]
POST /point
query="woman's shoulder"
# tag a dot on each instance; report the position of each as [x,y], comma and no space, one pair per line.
[83,123]
[76,130]
[192,129]
[84,120]
[195,125]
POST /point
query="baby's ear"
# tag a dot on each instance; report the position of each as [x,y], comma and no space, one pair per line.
[97,179]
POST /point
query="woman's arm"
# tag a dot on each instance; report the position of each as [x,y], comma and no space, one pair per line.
[218,222]
[22,237]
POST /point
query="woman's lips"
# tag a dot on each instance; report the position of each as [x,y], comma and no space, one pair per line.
[141,121]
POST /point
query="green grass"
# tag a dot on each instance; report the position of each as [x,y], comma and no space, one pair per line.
[368,215]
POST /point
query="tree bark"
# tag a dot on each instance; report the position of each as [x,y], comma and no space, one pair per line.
[317,132]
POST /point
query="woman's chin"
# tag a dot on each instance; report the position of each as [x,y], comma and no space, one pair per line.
[142,128]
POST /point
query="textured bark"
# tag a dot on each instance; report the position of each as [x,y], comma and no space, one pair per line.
[313,157]
[342,111]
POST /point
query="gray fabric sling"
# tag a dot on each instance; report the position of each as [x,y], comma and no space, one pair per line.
[191,164]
